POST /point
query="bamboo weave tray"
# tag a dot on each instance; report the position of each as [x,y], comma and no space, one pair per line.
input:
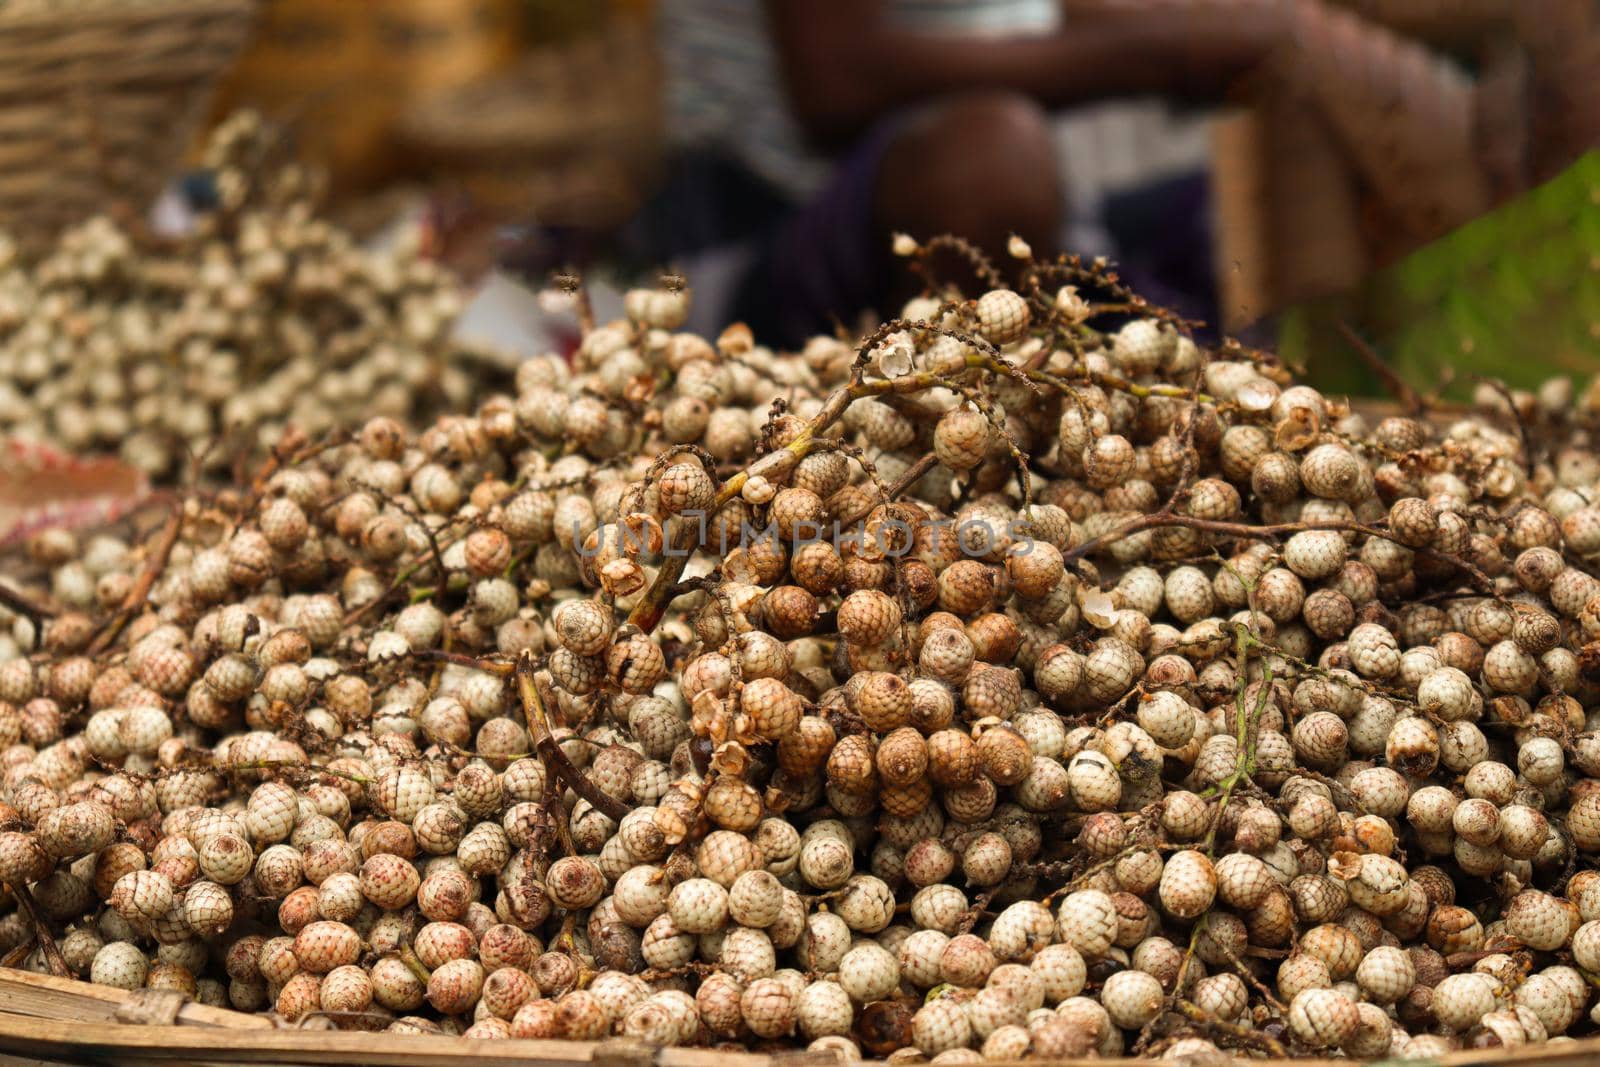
[97,102]
[47,1021]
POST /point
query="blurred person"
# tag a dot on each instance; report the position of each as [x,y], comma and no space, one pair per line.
[812,130]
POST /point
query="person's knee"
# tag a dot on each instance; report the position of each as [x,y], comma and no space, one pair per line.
[982,164]
[1000,124]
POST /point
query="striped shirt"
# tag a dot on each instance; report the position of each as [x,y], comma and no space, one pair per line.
[725,88]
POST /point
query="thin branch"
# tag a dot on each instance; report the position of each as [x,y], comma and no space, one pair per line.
[283,455]
[555,760]
[141,589]
[1246,728]
[47,944]
[979,906]
[404,575]
[1409,398]
[1523,444]
[975,257]
[498,668]
[23,604]
[1242,1034]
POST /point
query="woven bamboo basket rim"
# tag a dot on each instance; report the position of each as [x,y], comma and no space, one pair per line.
[96,15]
[46,55]
[61,1020]
[43,53]
[98,100]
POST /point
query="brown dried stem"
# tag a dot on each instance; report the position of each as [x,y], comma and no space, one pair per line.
[17,956]
[1409,398]
[979,906]
[52,954]
[1243,1034]
[975,257]
[404,575]
[1523,446]
[496,667]
[1249,976]
[284,454]
[23,604]
[556,763]
[141,589]
[292,767]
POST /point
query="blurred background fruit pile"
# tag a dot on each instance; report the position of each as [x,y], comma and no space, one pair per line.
[1380,189]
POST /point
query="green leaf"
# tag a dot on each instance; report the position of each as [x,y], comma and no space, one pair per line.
[1514,294]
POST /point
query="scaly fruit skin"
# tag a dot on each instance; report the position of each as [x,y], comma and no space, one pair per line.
[322,946]
[119,964]
[436,727]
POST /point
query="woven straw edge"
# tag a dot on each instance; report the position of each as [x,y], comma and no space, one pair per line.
[220,30]
[112,12]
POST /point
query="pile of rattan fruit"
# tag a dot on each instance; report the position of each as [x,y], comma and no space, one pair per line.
[1010,683]
[266,316]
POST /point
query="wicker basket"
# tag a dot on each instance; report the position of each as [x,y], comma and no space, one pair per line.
[98,103]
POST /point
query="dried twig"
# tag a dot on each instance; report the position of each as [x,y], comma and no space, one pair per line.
[404,575]
[556,763]
[979,906]
[141,589]
[1243,1034]
[1523,446]
[52,954]
[23,604]
[1409,398]
[19,955]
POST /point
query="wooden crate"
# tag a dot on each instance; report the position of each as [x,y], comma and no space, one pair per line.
[47,1021]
